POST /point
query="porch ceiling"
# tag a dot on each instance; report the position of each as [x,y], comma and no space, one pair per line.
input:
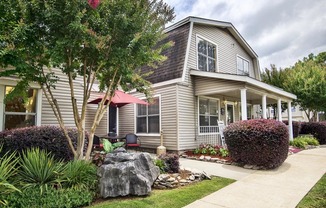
[228,86]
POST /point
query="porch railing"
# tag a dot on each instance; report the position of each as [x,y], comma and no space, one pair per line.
[209,135]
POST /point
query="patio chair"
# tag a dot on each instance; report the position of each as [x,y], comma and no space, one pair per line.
[132,140]
[112,137]
[97,143]
[221,127]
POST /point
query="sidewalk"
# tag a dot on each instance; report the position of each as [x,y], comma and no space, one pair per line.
[283,187]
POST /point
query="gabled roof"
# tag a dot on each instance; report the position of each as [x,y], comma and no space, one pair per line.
[225,25]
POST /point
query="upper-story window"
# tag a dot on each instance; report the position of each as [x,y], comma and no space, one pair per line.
[242,66]
[206,55]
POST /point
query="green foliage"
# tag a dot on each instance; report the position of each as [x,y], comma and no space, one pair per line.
[223,152]
[79,174]
[161,164]
[303,141]
[50,198]
[211,150]
[109,147]
[171,162]
[38,169]
[8,170]
[109,44]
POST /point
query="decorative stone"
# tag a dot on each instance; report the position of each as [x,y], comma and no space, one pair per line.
[248,166]
[214,159]
[127,174]
[202,157]
[164,177]
[208,158]
[192,177]
[183,181]
[171,179]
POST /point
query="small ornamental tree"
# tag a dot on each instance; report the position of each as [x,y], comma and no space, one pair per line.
[258,142]
[105,40]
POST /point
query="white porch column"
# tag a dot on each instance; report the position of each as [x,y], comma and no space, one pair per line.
[264,106]
[2,93]
[290,121]
[243,103]
[226,111]
[279,110]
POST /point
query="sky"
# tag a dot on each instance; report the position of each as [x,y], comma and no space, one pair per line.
[281,32]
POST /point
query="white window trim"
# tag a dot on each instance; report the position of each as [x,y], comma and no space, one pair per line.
[37,113]
[216,46]
[160,118]
[238,56]
[198,114]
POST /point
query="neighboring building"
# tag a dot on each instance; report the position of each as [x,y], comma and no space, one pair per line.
[211,75]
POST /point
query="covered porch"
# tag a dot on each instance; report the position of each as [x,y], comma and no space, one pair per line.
[230,98]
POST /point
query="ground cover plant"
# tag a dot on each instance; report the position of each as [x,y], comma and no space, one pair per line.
[209,149]
[259,142]
[47,182]
[302,142]
[175,198]
[316,197]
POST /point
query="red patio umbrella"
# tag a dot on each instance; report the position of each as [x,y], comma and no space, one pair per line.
[119,99]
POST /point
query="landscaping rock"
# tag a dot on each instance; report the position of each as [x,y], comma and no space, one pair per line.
[127,174]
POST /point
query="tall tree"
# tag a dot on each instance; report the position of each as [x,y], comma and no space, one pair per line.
[307,80]
[277,78]
[108,42]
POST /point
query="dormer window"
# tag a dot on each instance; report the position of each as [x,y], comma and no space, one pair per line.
[242,66]
[206,55]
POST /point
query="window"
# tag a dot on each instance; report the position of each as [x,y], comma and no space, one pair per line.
[208,115]
[148,118]
[19,112]
[206,55]
[242,66]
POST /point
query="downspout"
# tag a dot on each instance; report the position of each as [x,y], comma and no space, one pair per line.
[177,96]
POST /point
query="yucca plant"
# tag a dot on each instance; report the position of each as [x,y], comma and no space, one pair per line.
[79,174]
[8,169]
[39,169]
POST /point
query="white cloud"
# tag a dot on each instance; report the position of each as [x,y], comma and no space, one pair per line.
[280,31]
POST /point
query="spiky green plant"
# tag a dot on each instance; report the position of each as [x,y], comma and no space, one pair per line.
[7,170]
[79,174]
[39,169]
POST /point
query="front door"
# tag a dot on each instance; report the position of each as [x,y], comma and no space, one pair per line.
[113,119]
[230,113]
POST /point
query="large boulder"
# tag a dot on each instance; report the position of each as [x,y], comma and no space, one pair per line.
[127,174]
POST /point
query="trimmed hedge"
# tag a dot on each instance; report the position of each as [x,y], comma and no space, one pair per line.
[50,138]
[50,198]
[296,127]
[317,129]
[258,142]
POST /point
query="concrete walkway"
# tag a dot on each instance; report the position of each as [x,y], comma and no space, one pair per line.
[283,187]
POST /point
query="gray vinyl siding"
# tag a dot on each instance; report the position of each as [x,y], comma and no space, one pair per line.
[62,94]
[168,119]
[187,102]
[208,86]
[227,49]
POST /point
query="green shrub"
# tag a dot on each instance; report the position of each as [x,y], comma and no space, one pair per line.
[161,164]
[39,169]
[8,170]
[50,198]
[79,174]
[211,150]
[258,142]
[303,141]
[49,138]
[223,152]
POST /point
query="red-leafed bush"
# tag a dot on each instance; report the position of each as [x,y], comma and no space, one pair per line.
[171,163]
[296,127]
[50,138]
[259,142]
[317,129]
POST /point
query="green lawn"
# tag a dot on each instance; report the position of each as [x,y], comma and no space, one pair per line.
[169,198]
[316,197]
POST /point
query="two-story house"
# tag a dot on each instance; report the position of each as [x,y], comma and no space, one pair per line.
[211,75]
